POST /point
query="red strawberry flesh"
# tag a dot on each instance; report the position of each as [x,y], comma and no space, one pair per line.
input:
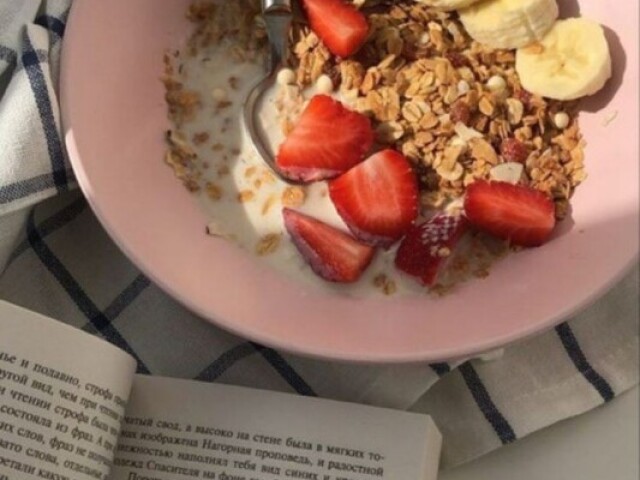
[522,215]
[328,140]
[342,28]
[425,250]
[331,253]
[377,199]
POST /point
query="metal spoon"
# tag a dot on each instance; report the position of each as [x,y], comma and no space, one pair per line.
[278,15]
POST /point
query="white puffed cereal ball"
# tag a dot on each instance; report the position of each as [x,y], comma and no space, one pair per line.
[324,84]
[497,84]
[286,76]
[561,120]
[463,87]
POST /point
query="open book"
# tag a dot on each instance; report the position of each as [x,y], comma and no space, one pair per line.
[72,408]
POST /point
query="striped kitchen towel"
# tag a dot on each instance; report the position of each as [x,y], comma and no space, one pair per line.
[56,259]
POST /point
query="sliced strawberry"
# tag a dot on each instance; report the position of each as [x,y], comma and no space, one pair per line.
[339,24]
[520,214]
[377,199]
[334,255]
[426,248]
[328,140]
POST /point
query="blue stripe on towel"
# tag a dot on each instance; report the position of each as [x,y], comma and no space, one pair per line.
[76,293]
[285,370]
[38,83]
[228,359]
[440,368]
[573,349]
[225,361]
[52,224]
[485,403]
[52,24]
[127,297]
[15,191]
[8,55]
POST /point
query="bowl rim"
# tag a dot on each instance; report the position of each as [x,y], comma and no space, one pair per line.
[587,298]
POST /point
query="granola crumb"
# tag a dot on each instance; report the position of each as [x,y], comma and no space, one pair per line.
[268,204]
[293,197]
[200,138]
[250,171]
[214,192]
[246,196]
[268,244]
[267,177]
[385,284]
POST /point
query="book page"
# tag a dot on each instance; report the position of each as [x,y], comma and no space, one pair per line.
[62,397]
[179,429]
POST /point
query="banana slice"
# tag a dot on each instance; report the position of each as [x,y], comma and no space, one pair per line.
[571,61]
[448,5]
[509,23]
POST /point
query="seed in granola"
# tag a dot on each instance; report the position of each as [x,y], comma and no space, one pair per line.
[268,244]
[513,150]
[497,84]
[286,76]
[561,120]
[293,197]
[246,196]
[219,94]
[234,83]
[460,112]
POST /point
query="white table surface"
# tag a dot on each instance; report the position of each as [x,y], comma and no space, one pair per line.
[600,445]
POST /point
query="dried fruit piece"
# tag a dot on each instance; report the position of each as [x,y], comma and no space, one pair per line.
[460,112]
[514,150]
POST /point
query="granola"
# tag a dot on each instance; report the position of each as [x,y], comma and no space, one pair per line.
[422,80]
[455,108]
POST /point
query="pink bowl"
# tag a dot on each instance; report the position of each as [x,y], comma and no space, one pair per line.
[114,117]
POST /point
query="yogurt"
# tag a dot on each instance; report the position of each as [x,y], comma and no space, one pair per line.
[243,198]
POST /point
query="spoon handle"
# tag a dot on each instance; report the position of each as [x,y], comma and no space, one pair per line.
[277,16]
